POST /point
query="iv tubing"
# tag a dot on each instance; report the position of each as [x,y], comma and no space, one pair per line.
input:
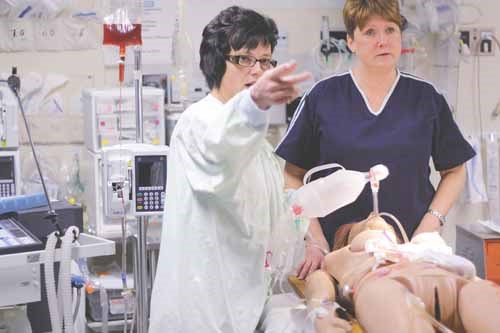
[121,64]
[103,297]
[77,304]
[375,201]
[419,306]
[400,227]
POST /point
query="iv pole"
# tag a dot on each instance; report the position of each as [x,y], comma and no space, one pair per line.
[141,250]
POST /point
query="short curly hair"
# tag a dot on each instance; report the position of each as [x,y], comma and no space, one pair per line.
[357,13]
[233,28]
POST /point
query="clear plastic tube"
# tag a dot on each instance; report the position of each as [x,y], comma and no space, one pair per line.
[375,175]
[103,297]
[419,306]
[90,285]
[400,227]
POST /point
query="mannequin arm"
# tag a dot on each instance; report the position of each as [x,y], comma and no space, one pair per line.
[319,287]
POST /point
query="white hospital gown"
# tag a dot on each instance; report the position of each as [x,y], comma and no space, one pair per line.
[224,191]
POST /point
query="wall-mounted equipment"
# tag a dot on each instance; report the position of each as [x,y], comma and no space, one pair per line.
[110,117]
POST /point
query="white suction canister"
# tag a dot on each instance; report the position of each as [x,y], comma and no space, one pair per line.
[327,194]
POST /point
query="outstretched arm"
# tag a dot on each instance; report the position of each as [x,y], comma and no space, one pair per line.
[278,86]
[216,145]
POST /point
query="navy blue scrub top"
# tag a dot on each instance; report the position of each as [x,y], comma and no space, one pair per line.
[334,124]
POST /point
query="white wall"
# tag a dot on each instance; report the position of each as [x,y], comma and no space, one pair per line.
[86,69]
[468,116]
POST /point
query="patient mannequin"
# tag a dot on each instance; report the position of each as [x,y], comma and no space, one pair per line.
[382,298]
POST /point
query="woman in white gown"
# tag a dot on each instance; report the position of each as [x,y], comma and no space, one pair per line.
[224,188]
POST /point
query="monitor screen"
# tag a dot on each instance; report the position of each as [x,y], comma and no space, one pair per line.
[150,172]
[6,168]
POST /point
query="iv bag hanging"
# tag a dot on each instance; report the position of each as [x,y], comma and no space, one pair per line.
[182,60]
[122,26]
[122,22]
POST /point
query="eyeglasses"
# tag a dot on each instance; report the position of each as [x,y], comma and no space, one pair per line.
[249,61]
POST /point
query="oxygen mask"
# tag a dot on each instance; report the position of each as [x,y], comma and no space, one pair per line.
[325,195]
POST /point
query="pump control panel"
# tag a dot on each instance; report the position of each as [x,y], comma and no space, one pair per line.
[150,182]
[9,173]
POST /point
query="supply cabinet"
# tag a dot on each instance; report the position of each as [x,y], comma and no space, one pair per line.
[483,249]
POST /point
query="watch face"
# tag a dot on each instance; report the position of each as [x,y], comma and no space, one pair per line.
[438,215]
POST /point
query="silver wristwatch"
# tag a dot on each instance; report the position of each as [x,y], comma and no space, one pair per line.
[440,217]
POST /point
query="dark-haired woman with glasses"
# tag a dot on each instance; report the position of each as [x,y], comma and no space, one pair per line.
[224,189]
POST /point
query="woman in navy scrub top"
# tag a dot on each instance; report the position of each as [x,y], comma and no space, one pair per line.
[376,114]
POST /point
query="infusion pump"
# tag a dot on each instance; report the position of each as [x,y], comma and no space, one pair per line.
[9,173]
[135,178]
[129,181]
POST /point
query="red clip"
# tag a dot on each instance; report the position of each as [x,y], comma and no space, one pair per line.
[267,263]
[297,210]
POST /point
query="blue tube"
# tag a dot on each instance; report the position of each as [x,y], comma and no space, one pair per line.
[25,11]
